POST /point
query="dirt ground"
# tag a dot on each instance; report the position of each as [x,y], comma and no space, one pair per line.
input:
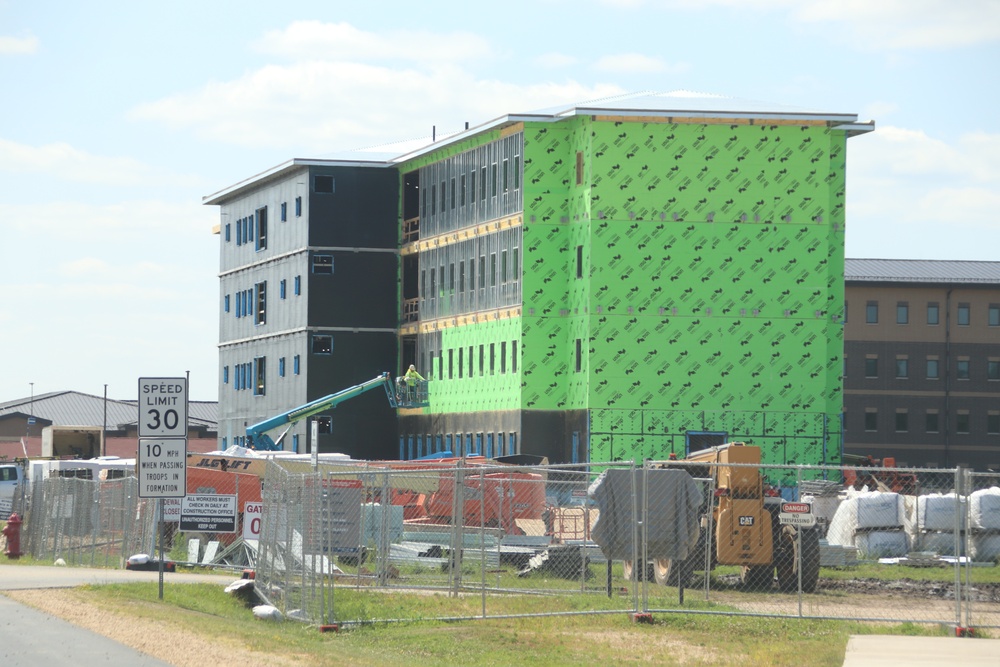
[178,647]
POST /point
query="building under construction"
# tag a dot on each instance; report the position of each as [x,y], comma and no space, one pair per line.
[623,279]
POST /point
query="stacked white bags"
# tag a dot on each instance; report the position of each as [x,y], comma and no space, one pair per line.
[984,525]
[872,521]
[939,515]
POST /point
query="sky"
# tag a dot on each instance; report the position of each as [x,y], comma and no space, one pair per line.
[117,118]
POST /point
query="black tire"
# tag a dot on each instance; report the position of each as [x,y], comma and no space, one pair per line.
[786,557]
[665,571]
[757,577]
[810,560]
[787,560]
[629,572]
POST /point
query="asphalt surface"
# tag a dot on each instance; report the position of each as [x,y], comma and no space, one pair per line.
[29,637]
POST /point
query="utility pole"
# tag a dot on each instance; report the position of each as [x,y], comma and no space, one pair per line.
[104,430]
[31,411]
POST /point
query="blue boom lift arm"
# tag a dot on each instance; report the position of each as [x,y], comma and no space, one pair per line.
[257,435]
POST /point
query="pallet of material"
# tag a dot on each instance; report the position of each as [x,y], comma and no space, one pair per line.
[835,555]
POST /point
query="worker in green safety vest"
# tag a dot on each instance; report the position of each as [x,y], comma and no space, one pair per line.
[411,378]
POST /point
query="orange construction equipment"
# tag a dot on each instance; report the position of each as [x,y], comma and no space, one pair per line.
[879,475]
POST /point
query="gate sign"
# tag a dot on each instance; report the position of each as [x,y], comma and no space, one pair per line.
[163,407]
[208,514]
[252,512]
[797,514]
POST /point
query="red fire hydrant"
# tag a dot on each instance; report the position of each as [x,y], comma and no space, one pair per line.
[12,531]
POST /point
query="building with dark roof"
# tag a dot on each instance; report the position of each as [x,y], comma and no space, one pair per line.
[22,421]
[622,279]
[922,362]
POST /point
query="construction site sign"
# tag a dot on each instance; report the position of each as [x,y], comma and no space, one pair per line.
[208,513]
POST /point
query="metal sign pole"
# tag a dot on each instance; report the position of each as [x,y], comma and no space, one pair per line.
[159,503]
[162,454]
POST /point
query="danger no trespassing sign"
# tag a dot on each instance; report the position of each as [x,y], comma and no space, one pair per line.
[797,514]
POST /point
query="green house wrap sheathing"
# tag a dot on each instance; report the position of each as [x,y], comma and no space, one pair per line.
[709,286]
[485,391]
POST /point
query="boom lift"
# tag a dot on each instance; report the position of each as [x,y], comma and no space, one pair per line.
[257,436]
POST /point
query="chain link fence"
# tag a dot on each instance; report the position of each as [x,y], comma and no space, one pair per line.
[718,536]
[718,533]
[94,523]
[981,543]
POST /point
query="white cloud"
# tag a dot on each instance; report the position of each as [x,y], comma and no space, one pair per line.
[106,223]
[879,109]
[316,40]
[27,45]
[633,63]
[118,279]
[63,161]
[873,25]
[909,24]
[324,106]
[905,187]
[555,60]
[899,151]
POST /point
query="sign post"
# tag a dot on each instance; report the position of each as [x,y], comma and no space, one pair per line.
[163,429]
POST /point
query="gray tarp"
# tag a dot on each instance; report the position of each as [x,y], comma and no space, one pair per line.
[673,501]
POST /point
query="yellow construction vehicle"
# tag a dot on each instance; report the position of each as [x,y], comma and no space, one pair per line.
[751,526]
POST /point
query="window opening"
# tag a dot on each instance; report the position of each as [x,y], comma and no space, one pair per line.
[871,312]
[261,310]
[871,421]
[259,365]
[322,264]
[322,344]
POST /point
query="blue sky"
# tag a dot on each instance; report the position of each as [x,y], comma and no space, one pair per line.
[118,117]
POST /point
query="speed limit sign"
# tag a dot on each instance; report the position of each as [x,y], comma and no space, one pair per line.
[163,407]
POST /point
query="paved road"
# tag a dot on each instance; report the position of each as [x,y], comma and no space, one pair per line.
[14,577]
[29,637]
